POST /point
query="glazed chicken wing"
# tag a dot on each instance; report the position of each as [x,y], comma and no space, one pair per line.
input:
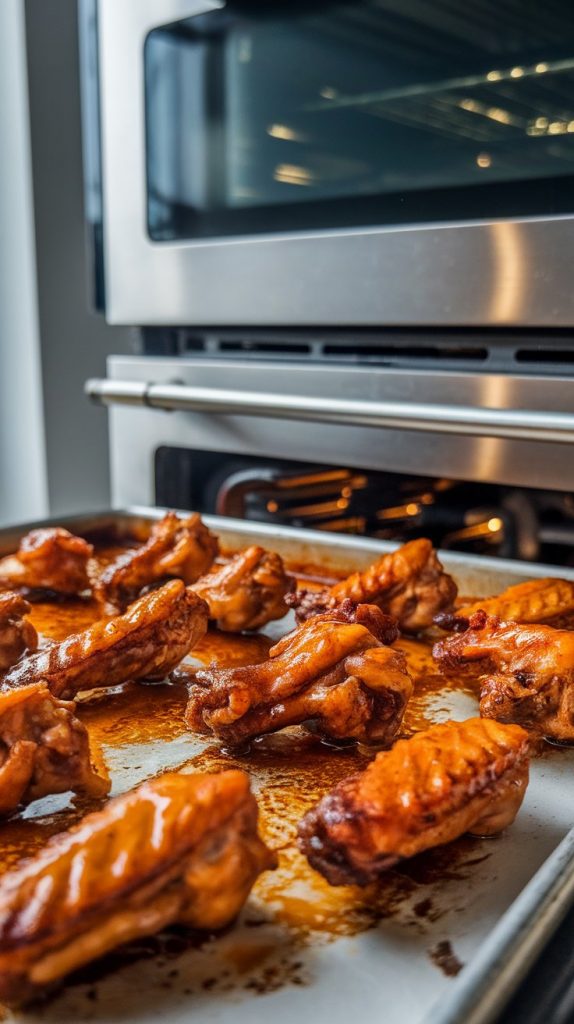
[49,559]
[543,600]
[247,592]
[44,749]
[528,671]
[332,672]
[183,548]
[453,778]
[147,642]
[16,633]
[410,584]
[180,848]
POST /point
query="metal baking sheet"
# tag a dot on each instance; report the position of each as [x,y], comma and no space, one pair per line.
[448,946]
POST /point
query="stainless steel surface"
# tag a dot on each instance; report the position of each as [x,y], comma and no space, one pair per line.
[516,424]
[136,432]
[501,272]
[482,577]
[507,912]
[504,960]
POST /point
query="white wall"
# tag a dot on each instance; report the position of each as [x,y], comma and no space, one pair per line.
[53,443]
[23,483]
[74,340]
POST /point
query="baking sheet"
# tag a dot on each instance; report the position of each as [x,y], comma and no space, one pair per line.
[443,941]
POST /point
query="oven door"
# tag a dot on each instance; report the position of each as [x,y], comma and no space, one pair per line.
[379,162]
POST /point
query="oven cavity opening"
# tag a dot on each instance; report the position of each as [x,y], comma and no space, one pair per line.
[492,519]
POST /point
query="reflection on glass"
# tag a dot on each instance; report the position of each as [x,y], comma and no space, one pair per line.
[284,116]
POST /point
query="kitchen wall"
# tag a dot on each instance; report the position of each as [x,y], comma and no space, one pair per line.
[74,340]
[53,444]
[23,481]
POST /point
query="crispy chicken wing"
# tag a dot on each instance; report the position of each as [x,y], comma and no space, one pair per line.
[44,749]
[16,633]
[49,559]
[248,591]
[147,642]
[179,848]
[183,548]
[453,778]
[409,584]
[528,671]
[332,672]
[541,600]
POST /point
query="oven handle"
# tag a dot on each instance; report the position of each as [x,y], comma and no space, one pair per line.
[517,424]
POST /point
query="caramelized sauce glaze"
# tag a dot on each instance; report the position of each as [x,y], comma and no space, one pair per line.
[290,771]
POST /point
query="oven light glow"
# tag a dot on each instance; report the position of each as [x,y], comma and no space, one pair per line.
[472,105]
[283,131]
[498,114]
[542,126]
[493,113]
[484,160]
[291,174]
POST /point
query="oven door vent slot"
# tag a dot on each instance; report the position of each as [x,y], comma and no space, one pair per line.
[407,353]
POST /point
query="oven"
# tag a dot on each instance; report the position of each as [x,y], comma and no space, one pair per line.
[329,447]
[343,233]
[367,164]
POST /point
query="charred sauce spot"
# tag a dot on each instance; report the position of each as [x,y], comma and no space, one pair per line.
[444,957]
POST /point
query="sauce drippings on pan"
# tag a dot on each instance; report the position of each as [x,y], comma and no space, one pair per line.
[443,956]
[290,771]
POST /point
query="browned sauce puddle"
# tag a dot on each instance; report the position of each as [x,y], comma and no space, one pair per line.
[290,772]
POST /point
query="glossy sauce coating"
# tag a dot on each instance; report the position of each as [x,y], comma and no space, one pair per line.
[289,773]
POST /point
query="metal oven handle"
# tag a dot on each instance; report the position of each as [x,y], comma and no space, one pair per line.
[516,424]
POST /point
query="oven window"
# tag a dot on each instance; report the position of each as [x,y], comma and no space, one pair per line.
[285,117]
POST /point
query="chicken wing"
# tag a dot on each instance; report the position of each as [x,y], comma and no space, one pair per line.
[183,548]
[528,671]
[453,778]
[332,672]
[16,633]
[409,584]
[49,559]
[541,600]
[44,749]
[147,642]
[179,848]
[247,592]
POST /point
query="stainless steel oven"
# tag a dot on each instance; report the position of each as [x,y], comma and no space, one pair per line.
[344,232]
[377,163]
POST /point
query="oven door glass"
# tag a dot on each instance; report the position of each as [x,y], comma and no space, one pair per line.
[297,116]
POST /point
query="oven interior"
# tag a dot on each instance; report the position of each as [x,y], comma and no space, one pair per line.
[522,523]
